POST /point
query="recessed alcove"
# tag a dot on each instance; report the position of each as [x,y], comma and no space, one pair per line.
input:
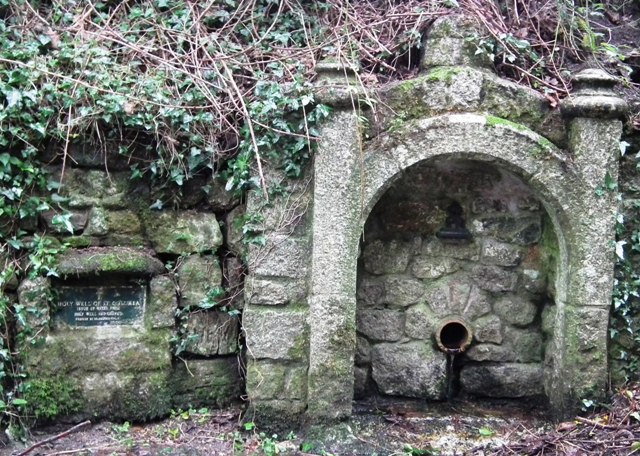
[418,289]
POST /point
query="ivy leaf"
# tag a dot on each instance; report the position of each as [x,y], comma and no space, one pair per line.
[620,249]
[13,98]
[623,147]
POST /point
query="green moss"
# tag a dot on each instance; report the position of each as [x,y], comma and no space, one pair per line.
[443,74]
[49,398]
[493,121]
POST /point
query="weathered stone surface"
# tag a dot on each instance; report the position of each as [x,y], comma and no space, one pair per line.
[370,291]
[433,268]
[533,281]
[549,316]
[233,231]
[452,296]
[381,324]
[517,230]
[420,322]
[402,292]
[282,256]
[218,198]
[363,351]
[162,302]
[88,188]
[502,380]
[183,232]
[103,349]
[500,253]
[446,44]
[33,294]
[77,222]
[199,278]
[233,273]
[488,329]
[490,352]
[277,291]
[211,333]
[495,279]
[269,380]
[464,251]
[516,310]
[386,257]
[98,224]
[112,260]
[139,396]
[525,343]
[206,382]
[360,382]
[478,304]
[413,370]
[275,334]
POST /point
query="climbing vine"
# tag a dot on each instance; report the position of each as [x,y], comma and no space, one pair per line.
[177,89]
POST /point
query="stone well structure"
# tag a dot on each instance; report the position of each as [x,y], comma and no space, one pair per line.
[461,198]
[356,277]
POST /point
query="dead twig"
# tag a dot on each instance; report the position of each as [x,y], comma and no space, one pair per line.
[75,428]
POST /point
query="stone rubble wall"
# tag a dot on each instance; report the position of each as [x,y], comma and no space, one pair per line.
[410,281]
[184,257]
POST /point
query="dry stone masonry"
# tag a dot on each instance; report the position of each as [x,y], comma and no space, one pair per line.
[465,199]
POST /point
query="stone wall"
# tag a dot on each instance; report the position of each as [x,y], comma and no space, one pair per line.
[410,281]
[172,264]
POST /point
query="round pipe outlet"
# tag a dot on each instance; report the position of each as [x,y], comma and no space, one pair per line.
[453,336]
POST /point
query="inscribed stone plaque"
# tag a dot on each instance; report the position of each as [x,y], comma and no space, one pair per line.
[100,306]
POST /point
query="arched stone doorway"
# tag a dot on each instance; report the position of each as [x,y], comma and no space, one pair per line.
[455,245]
[348,183]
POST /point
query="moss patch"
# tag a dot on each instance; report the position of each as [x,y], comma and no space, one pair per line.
[49,398]
[493,121]
[443,74]
[119,260]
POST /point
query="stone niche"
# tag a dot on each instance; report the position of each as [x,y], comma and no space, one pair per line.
[413,276]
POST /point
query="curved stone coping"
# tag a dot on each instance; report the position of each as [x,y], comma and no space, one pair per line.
[471,137]
[108,260]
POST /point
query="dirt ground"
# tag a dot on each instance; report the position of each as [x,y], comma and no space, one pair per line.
[378,427]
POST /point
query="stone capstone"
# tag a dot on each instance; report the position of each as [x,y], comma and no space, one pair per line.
[183,232]
[108,260]
[413,370]
[502,380]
